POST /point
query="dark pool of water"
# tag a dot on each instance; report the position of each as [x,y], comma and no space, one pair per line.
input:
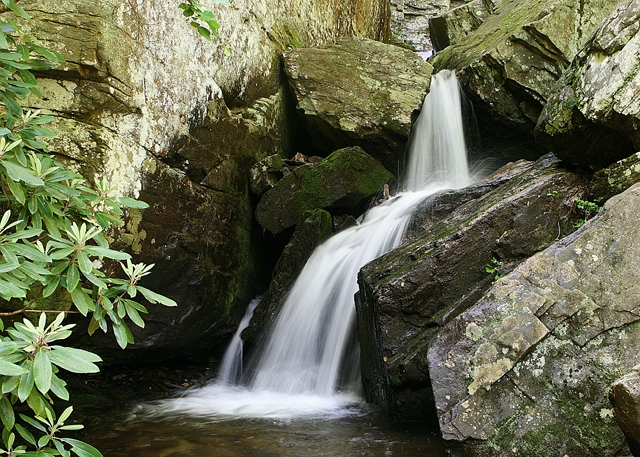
[366,434]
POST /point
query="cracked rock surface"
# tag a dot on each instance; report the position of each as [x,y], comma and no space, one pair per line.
[528,367]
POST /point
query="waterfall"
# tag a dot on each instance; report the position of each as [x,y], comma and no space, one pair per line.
[230,371]
[300,370]
[438,154]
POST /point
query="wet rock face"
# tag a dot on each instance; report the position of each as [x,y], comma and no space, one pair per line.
[407,294]
[529,365]
[593,117]
[509,65]
[359,92]
[307,235]
[341,182]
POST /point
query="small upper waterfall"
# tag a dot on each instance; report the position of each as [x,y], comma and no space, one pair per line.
[301,367]
[230,371]
[438,154]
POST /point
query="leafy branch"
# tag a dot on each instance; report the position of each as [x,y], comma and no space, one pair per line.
[203,20]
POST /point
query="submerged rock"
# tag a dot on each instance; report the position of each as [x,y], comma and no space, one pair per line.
[527,368]
[593,118]
[408,293]
[341,182]
[359,92]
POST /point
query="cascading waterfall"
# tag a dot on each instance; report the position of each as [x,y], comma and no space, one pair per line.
[230,371]
[300,370]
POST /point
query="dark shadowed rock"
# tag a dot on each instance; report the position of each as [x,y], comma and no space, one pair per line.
[528,366]
[406,294]
[593,118]
[306,237]
[341,182]
[625,398]
[265,174]
[359,92]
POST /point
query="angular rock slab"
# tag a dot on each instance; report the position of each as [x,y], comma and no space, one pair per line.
[359,92]
[625,398]
[509,65]
[408,293]
[340,182]
[527,369]
[593,118]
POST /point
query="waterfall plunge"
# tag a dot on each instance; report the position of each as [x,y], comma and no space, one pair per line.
[301,366]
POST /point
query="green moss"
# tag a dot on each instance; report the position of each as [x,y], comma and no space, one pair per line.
[287,36]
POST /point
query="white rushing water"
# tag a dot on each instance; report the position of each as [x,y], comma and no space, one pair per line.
[300,371]
[230,372]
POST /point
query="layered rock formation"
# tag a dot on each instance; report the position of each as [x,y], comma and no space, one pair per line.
[407,294]
[593,117]
[164,115]
[510,63]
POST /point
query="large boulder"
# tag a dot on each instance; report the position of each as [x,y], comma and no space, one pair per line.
[405,295]
[165,115]
[509,65]
[453,26]
[359,92]
[592,118]
[341,183]
[527,369]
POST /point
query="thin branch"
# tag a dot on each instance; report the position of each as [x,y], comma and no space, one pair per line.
[26,311]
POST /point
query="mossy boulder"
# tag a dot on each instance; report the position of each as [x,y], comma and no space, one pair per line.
[592,118]
[509,65]
[407,294]
[341,183]
[526,370]
[453,26]
[359,92]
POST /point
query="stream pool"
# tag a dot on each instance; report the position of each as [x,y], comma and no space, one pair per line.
[363,433]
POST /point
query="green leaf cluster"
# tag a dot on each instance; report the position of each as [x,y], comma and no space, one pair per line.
[494,268]
[588,208]
[203,20]
[52,243]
